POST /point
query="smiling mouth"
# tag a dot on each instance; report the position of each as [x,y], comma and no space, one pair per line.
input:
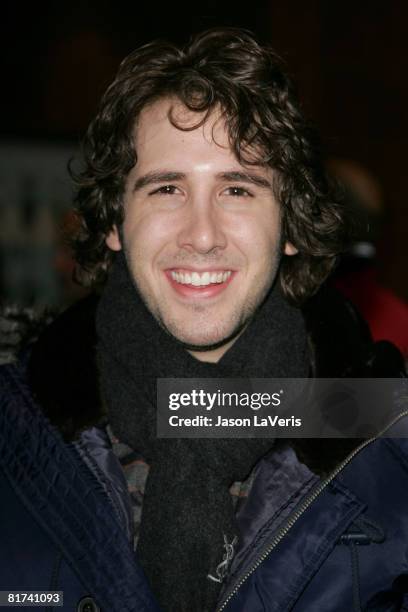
[201,279]
[205,284]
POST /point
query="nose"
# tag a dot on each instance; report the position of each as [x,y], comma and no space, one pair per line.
[202,227]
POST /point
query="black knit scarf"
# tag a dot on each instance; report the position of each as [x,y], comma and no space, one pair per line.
[187,507]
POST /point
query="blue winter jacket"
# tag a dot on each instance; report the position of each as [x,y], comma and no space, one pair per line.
[331,540]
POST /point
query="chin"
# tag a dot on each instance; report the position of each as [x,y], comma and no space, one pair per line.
[206,341]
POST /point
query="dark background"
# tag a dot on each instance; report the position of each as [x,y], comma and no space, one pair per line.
[349,59]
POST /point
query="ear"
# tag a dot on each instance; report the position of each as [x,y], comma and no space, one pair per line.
[290,249]
[113,239]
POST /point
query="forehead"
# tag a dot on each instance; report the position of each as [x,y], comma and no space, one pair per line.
[167,134]
[165,125]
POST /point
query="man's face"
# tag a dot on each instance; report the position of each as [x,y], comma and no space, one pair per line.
[201,232]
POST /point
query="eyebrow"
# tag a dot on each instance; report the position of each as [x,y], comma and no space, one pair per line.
[152,178]
[157,177]
[246,177]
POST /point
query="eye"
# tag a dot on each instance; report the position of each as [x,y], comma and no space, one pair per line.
[238,192]
[166,190]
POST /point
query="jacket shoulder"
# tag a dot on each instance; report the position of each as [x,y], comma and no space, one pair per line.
[341,343]
[62,370]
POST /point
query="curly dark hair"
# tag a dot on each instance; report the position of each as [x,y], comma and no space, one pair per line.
[222,68]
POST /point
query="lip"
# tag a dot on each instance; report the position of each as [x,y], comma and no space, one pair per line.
[199,270]
[189,291]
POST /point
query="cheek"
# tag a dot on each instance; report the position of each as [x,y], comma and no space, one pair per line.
[146,236]
[259,240]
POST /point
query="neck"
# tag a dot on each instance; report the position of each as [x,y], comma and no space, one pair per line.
[214,355]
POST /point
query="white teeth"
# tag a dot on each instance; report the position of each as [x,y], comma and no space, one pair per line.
[195,279]
[200,280]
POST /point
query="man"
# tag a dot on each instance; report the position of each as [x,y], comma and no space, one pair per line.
[206,222]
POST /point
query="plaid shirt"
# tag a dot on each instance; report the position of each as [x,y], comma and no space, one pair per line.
[136,471]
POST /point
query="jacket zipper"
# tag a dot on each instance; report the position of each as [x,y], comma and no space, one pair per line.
[290,522]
